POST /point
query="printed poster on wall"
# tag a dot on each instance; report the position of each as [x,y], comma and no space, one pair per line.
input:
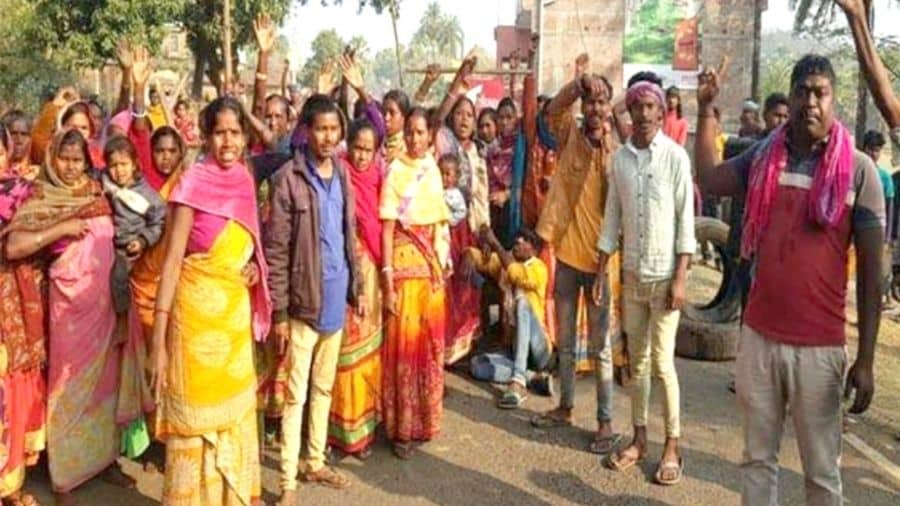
[662,36]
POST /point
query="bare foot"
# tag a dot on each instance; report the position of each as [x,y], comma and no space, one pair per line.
[288,498]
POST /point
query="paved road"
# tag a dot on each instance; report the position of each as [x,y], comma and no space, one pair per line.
[492,457]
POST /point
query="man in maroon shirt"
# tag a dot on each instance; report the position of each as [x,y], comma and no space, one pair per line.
[809,194]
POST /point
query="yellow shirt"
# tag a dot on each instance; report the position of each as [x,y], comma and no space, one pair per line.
[157,116]
[573,213]
[721,140]
[528,278]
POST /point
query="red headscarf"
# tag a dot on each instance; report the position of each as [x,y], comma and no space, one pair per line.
[366,190]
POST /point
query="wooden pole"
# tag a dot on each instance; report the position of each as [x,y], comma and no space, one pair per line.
[487,72]
[226,25]
[395,12]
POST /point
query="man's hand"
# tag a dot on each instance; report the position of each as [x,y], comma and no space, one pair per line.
[861,379]
[264,31]
[282,333]
[597,290]
[581,65]
[709,83]
[677,294]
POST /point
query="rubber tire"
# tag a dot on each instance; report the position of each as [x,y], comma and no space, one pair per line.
[710,332]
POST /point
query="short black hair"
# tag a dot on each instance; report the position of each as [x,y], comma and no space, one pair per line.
[873,139]
[645,75]
[166,131]
[356,127]
[210,114]
[774,100]
[813,65]
[317,105]
[506,102]
[449,158]
[122,144]
[531,237]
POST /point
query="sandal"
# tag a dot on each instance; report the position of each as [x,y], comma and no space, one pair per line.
[551,420]
[403,451]
[602,445]
[677,467]
[328,477]
[617,462]
[513,397]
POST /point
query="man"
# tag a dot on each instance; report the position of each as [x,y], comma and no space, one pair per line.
[749,119]
[872,143]
[808,194]
[570,222]
[312,274]
[526,276]
[651,204]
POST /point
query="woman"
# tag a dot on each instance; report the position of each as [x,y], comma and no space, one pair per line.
[506,173]
[18,124]
[357,386]
[211,305]
[675,126]
[396,107]
[487,128]
[458,137]
[415,251]
[22,385]
[68,217]
[66,112]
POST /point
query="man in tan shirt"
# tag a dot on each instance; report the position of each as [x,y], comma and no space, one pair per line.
[571,222]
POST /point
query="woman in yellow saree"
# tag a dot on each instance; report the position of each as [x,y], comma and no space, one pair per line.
[211,304]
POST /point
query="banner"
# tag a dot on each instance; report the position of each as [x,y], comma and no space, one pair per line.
[662,36]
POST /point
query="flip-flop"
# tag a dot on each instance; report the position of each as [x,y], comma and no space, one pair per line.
[616,463]
[604,445]
[511,400]
[679,471]
[549,421]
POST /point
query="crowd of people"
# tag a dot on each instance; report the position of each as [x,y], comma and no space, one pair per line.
[297,272]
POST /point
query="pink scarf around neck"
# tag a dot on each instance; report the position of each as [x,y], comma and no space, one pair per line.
[231,194]
[827,197]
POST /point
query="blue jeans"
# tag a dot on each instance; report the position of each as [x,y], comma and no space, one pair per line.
[530,349]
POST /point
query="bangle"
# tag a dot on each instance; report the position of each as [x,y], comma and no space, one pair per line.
[261,77]
[38,240]
[161,311]
[139,114]
[386,269]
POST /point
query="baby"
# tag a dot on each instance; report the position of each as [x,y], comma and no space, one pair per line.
[138,214]
[453,197]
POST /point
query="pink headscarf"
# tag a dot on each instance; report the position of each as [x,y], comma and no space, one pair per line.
[827,197]
[643,89]
[231,194]
[366,190]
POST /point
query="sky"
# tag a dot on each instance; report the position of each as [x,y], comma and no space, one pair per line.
[478,19]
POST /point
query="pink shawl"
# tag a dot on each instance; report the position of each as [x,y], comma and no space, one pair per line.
[827,197]
[366,192]
[231,194]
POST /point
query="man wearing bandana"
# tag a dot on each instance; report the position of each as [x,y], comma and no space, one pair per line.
[651,205]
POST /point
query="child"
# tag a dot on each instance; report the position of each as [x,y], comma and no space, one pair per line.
[527,277]
[453,197]
[138,214]
[185,124]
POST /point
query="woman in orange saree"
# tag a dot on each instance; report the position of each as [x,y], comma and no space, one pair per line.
[415,242]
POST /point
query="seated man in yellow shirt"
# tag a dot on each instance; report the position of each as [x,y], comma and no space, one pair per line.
[526,276]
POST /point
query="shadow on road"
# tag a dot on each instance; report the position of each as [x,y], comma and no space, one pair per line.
[572,488]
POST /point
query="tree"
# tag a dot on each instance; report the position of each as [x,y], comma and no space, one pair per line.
[326,47]
[439,34]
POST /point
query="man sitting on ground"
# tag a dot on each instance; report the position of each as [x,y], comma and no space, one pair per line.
[526,277]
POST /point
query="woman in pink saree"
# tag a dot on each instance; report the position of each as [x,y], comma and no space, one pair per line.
[69,218]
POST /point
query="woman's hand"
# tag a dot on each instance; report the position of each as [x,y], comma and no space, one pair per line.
[159,363]
[65,96]
[134,248]
[75,228]
[264,31]
[251,274]
[141,67]
[499,198]
[390,299]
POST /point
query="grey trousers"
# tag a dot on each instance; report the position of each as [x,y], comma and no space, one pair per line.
[770,376]
[568,286]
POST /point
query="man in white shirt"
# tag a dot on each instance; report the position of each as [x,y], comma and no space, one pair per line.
[651,204]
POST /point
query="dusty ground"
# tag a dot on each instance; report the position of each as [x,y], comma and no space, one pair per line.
[491,457]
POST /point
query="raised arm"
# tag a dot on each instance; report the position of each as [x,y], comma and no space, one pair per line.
[457,88]
[872,67]
[140,74]
[285,76]
[264,31]
[45,124]
[432,73]
[562,102]
[123,54]
[715,177]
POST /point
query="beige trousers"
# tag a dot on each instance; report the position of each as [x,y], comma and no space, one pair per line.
[312,362]
[769,377]
[651,328]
